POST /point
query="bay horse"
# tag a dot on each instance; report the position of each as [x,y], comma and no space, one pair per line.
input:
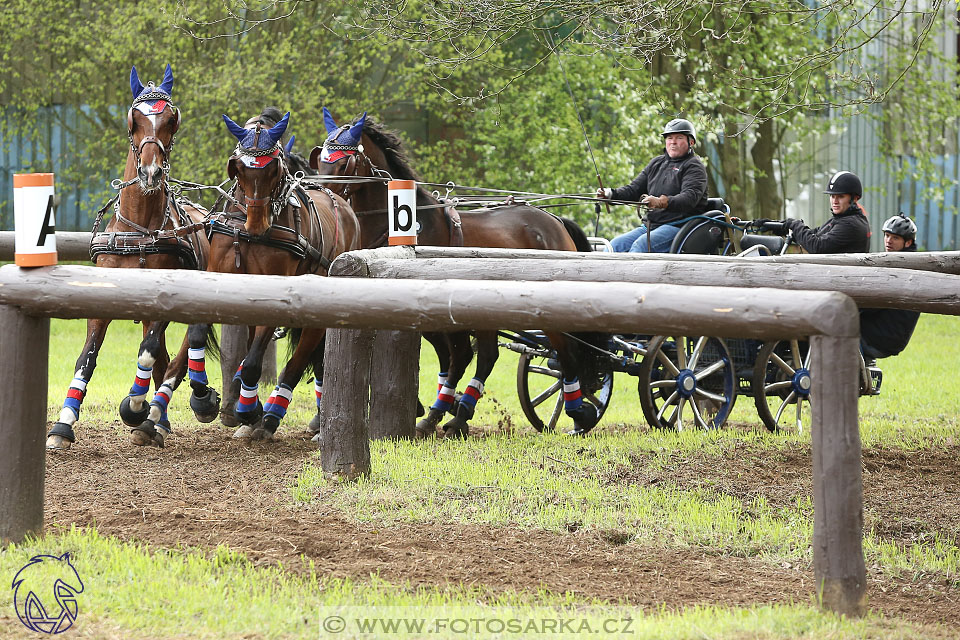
[365,148]
[270,225]
[150,228]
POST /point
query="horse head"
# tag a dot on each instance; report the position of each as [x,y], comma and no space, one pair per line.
[257,166]
[338,154]
[152,124]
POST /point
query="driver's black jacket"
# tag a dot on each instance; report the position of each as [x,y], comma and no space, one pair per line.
[888,331]
[846,232]
[683,180]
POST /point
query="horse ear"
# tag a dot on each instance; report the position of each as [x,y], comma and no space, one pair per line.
[356,131]
[329,122]
[135,85]
[238,132]
[276,131]
[231,169]
[315,157]
[289,146]
[167,85]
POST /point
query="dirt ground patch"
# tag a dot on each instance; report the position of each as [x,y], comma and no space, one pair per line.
[207,489]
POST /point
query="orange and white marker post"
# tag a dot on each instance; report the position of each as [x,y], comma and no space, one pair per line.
[402,212]
[33,220]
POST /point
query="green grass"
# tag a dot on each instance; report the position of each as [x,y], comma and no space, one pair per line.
[130,591]
[512,477]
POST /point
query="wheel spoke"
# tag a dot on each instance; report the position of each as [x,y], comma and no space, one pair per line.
[696,415]
[780,362]
[795,350]
[667,403]
[556,413]
[667,362]
[663,383]
[777,386]
[682,353]
[545,371]
[702,393]
[697,352]
[799,415]
[783,405]
[679,414]
[707,371]
[546,393]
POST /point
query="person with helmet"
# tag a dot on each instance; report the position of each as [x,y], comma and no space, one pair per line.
[848,231]
[886,332]
[673,186]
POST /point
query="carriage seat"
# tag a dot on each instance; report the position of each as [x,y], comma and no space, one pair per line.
[716,204]
[769,245]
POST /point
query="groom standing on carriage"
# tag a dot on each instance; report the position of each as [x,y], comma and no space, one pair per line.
[673,186]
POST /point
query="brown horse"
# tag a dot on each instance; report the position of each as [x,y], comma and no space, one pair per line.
[366,149]
[150,229]
[272,225]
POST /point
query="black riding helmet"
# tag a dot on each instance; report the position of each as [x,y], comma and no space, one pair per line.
[679,125]
[901,225]
[844,182]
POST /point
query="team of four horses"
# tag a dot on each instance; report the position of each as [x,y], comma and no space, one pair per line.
[276,221]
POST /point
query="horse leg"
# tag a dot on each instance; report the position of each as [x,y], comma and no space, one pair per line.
[428,425]
[156,426]
[61,435]
[134,407]
[461,353]
[487,354]
[204,401]
[248,409]
[311,342]
[583,413]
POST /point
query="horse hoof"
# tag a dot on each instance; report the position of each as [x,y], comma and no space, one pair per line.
[318,438]
[420,409]
[584,419]
[250,417]
[427,427]
[205,407]
[315,426]
[245,431]
[456,429]
[262,434]
[58,443]
[146,434]
[130,416]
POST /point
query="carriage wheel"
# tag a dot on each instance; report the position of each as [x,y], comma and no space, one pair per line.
[687,381]
[781,385]
[540,388]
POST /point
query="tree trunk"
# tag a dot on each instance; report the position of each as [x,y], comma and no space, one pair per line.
[768,201]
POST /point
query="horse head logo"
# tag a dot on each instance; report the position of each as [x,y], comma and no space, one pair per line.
[45,594]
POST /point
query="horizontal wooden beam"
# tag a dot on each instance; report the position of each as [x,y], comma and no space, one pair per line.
[423,305]
[941,261]
[868,286]
[71,245]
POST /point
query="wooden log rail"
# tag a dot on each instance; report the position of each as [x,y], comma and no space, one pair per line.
[27,296]
[897,288]
[71,245]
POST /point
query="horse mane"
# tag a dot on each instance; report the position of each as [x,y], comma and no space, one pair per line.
[398,163]
[295,161]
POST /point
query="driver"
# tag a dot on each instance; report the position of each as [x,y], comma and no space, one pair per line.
[678,179]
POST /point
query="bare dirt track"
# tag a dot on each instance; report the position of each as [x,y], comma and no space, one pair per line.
[208,489]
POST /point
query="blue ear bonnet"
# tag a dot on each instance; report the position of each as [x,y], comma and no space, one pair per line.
[151,92]
[258,138]
[341,141]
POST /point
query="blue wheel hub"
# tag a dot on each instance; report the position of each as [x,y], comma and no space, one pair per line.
[686,383]
[802,382]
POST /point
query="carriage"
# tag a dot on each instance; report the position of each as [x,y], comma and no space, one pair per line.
[685,381]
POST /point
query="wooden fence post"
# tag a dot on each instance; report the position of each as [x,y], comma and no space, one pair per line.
[838,563]
[345,444]
[24,349]
[394,381]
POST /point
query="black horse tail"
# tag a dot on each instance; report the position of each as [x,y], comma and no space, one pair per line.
[212,343]
[577,234]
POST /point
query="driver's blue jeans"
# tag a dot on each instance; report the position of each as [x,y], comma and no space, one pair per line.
[636,241]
